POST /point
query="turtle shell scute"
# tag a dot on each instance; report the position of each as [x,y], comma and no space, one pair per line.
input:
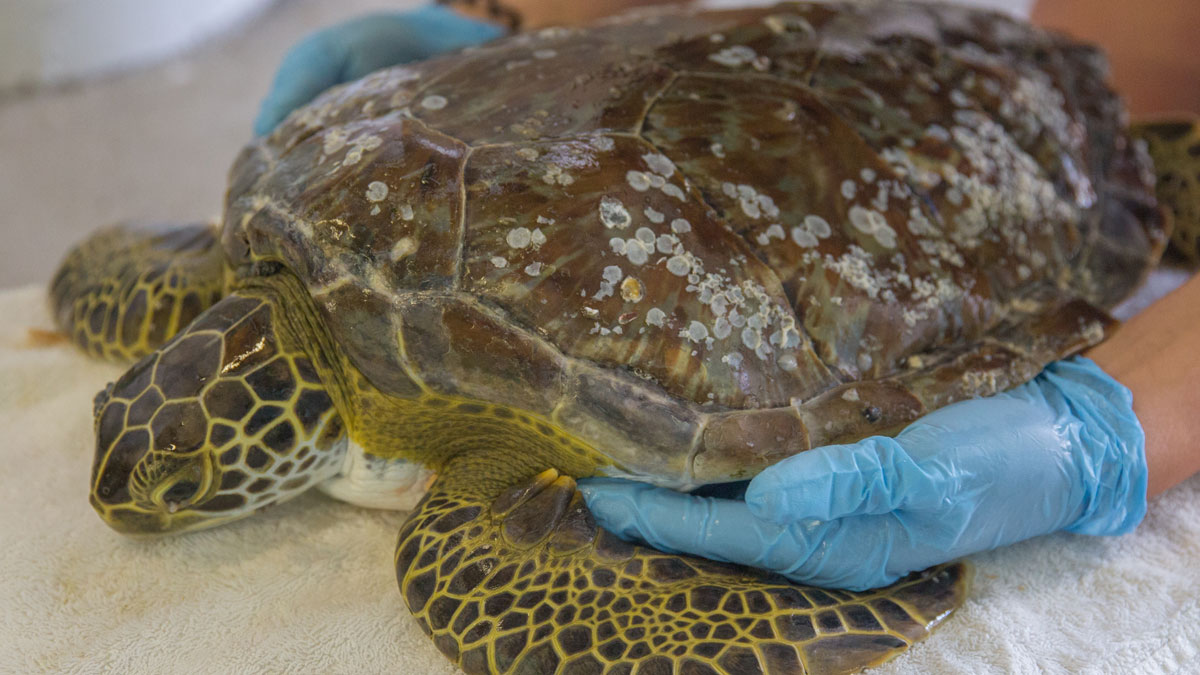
[723,212]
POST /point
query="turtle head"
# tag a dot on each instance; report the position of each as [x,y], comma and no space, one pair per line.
[226,418]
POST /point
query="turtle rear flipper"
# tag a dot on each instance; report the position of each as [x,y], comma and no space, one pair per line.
[1175,147]
[525,582]
[127,289]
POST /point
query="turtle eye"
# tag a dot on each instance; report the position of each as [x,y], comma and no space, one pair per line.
[179,493]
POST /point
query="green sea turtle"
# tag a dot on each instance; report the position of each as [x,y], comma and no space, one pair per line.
[678,246]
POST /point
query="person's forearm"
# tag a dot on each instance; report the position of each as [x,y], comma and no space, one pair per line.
[1157,355]
[539,13]
[1151,47]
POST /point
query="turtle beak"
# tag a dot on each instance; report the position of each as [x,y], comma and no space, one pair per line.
[133,521]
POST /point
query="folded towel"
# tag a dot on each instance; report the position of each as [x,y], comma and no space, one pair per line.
[308,586]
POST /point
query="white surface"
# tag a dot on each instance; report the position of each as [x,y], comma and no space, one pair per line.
[149,144]
[308,587]
[47,41]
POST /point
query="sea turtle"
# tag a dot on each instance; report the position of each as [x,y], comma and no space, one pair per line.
[677,246]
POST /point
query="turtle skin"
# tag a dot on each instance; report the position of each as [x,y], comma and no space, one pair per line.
[675,245]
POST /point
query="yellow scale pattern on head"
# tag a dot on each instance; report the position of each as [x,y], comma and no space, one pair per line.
[227,414]
[524,581]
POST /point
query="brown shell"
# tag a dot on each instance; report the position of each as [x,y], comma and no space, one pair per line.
[705,240]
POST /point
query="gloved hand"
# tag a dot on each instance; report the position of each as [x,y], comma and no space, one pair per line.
[352,49]
[1064,451]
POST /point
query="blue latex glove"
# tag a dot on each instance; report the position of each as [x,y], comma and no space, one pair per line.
[352,49]
[1064,451]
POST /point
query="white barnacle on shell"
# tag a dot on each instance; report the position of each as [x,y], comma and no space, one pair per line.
[638,251]
[817,225]
[433,102]
[678,265]
[696,332]
[873,223]
[811,231]
[638,180]
[673,190]
[519,237]
[555,174]
[659,164]
[773,231]
[666,243]
[803,237]
[614,214]
[722,328]
[377,191]
[733,57]
[656,317]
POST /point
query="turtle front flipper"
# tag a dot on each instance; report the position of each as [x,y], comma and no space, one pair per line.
[127,289]
[525,582]
[1175,147]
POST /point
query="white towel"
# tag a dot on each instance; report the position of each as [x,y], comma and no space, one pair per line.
[308,586]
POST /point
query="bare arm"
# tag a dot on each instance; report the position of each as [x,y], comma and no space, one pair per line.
[1151,46]
[1157,355]
[539,13]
